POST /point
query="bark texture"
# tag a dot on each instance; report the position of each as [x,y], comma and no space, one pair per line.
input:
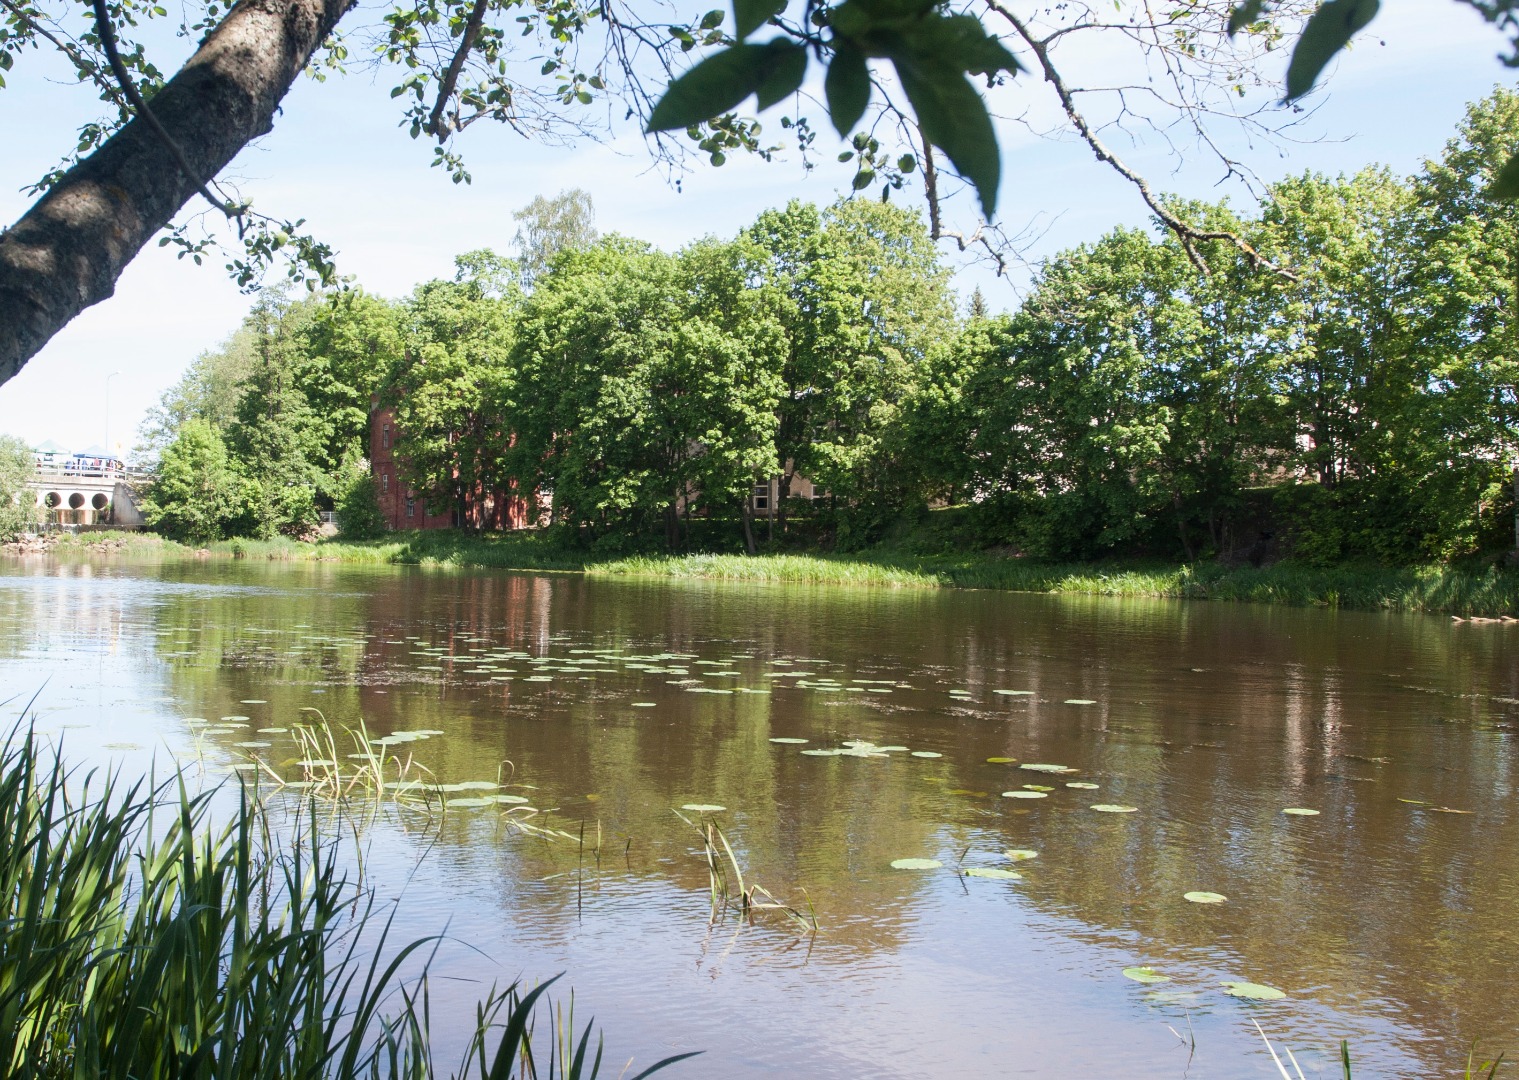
[67,251]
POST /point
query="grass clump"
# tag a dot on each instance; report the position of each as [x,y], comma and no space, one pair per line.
[139,940]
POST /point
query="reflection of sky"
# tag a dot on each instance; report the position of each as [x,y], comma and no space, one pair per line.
[1209,717]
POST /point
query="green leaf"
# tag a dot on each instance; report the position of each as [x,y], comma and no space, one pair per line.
[1253,991]
[712,19]
[847,87]
[1328,31]
[1244,15]
[789,67]
[750,15]
[955,120]
[1505,186]
[717,84]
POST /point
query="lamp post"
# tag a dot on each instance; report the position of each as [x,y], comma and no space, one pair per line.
[108,378]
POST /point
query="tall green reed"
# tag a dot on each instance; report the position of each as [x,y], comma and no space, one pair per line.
[140,939]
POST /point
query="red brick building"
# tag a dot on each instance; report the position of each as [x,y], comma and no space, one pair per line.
[404,509]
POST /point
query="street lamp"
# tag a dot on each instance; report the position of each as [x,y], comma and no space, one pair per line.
[109,456]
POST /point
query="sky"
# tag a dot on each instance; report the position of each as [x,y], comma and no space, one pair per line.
[337,158]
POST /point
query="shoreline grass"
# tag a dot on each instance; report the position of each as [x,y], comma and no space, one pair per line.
[1483,592]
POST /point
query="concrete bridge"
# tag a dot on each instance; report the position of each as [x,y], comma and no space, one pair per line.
[82,491]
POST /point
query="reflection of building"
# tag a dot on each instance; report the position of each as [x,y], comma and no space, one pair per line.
[476,508]
[91,487]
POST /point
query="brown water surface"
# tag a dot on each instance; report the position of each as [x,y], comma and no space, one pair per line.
[1391,918]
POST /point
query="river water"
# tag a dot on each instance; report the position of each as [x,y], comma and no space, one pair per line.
[1389,919]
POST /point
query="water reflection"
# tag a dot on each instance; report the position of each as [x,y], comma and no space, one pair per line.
[1387,919]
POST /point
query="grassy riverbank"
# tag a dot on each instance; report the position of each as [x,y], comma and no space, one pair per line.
[1489,592]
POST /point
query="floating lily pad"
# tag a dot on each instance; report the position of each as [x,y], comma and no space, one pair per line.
[1114,808]
[703,808]
[995,872]
[1300,811]
[823,753]
[794,742]
[1079,701]
[1205,897]
[965,791]
[1037,787]
[1253,991]
[1020,854]
[469,785]
[515,800]
[915,864]
[1014,693]
[926,754]
[1037,767]
[1081,785]
[474,800]
[1024,795]
[1145,975]
[253,701]
[253,744]
[1002,760]
[644,704]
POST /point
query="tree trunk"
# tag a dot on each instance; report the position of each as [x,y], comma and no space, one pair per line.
[746,514]
[782,493]
[67,251]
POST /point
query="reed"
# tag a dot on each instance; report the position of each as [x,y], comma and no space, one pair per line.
[137,939]
[726,887]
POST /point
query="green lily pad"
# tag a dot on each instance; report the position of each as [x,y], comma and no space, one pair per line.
[824,753]
[1014,693]
[702,808]
[994,872]
[469,785]
[1082,785]
[1300,811]
[644,704]
[794,742]
[1079,701]
[1002,760]
[926,754]
[1037,787]
[1024,795]
[1020,854]
[915,864]
[1037,767]
[473,800]
[1145,975]
[515,800]
[1253,991]
[1205,897]
[253,744]
[1114,808]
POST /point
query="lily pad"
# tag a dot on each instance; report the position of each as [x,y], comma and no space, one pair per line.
[1037,787]
[994,872]
[1145,975]
[926,754]
[824,753]
[1205,897]
[702,808]
[1079,701]
[1014,693]
[915,864]
[474,800]
[644,704]
[1037,767]
[1300,811]
[253,701]
[1024,795]
[1002,760]
[794,742]
[1114,808]
[515,800]
[1020,854]
[1082,785]
[1253,991]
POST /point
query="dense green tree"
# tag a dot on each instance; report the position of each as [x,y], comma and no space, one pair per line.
[209,390]
[545,227]
[18,505]
[196,493]
[453,387]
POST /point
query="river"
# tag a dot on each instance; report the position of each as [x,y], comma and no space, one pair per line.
[1390,918]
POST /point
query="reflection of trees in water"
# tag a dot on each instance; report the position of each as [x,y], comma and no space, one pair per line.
[1375,899]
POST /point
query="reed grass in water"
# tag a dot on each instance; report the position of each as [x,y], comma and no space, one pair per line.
[138,940]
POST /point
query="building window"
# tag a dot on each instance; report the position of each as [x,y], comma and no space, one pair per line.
[385,483]
[762,496]
[411,507]
[385,437]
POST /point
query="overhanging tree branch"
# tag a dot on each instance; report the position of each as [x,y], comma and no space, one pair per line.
[1187,235]
[68,250]
[456,65]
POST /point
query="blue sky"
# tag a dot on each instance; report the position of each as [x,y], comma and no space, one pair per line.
[337,158]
